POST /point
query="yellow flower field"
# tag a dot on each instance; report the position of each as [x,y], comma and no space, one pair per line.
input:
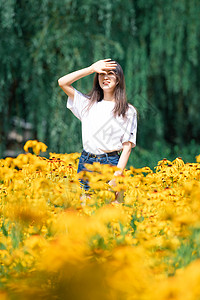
[56,244]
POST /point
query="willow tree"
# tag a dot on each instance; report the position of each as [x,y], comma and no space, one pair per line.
[156,44]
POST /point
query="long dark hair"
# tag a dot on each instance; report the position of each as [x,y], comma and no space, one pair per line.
[121,104]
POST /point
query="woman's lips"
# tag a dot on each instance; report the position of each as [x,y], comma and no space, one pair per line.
[106,82]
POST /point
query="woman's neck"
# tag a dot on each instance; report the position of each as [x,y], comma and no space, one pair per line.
[109,97]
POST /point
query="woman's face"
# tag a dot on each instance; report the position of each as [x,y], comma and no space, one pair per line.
[108,81]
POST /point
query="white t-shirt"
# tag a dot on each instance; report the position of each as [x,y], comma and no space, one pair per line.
[101,131]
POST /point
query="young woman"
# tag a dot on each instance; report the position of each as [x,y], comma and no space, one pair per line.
[109,122]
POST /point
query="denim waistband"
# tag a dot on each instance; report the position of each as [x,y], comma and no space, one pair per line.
[100,155]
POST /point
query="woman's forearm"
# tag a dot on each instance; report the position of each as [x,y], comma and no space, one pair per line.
[100,67]
[123,161]
[72,77]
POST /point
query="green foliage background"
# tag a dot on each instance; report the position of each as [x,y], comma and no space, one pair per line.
[157,44]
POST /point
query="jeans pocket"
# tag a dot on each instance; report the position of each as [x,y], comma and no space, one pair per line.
[83,158]
[81,165]
[113,160]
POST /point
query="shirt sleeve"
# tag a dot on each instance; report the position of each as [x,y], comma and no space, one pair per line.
[77,104]
[130,127]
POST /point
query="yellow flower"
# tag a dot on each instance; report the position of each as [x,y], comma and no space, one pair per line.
[36,146]
[30,144]
[198,158]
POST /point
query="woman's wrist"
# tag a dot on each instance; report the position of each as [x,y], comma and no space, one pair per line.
[91,69]
[118,172]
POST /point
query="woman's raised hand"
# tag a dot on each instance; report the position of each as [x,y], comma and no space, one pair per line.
[102,65]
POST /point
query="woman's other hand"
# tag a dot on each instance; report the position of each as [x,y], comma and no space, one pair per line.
[112,182]
[102,65]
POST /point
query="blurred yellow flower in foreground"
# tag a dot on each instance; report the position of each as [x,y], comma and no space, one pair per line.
[59,242]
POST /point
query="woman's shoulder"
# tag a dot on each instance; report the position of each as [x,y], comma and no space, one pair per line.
[131,109]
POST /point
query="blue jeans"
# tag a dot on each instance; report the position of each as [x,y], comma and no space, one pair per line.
[106,160]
